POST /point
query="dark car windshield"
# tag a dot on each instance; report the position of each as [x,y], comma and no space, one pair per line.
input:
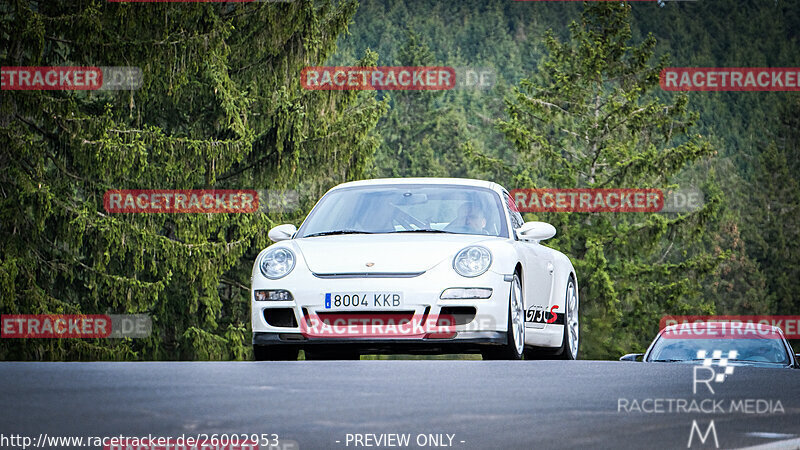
[407,208]
[760,350]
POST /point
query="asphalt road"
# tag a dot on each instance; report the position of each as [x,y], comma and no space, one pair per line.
[484,404]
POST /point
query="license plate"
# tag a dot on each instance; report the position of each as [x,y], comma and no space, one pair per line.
[363,300]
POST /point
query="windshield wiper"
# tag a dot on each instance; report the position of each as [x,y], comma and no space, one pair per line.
[757,362]
[700,359]
[675,360]
[423,230]
[330,233]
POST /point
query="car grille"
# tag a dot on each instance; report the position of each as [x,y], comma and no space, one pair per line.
[369,275]
[377,316]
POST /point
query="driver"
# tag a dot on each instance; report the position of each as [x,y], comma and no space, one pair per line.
[470,219]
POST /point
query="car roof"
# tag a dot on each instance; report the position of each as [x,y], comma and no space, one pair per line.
[449,181]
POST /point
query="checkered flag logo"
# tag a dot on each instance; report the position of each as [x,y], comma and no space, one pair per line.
[716,359]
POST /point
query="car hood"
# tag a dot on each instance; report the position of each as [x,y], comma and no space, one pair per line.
[388,253]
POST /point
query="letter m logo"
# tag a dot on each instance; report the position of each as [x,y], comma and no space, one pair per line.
[702,437]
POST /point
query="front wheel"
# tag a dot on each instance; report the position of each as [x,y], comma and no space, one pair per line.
[571,337]
[515,335]
[571,341]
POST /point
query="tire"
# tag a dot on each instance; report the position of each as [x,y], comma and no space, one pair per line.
[275,352]
[515,335]
[570,344]
[320,353]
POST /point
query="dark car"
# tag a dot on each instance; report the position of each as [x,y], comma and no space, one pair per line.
[740,344]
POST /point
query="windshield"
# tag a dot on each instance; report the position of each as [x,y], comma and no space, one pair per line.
[751,349]
[407,208]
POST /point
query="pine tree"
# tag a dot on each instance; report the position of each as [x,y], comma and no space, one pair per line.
[772,223]
[220,107]
[421,134]
[588,119]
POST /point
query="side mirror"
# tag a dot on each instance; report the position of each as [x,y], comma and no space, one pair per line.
[633,357]
[282,232]
[536,231]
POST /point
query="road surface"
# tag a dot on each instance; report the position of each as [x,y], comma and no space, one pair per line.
[457,404]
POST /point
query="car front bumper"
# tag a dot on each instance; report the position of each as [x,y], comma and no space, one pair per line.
[421,299]
[463,342]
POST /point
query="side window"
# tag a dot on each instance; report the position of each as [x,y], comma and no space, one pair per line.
[516,217]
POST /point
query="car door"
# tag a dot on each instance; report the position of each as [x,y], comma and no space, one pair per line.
[537,282]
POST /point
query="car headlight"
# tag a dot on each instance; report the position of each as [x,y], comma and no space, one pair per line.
[472,261]
[277,263]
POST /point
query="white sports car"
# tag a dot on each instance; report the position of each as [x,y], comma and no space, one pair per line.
[414,265]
